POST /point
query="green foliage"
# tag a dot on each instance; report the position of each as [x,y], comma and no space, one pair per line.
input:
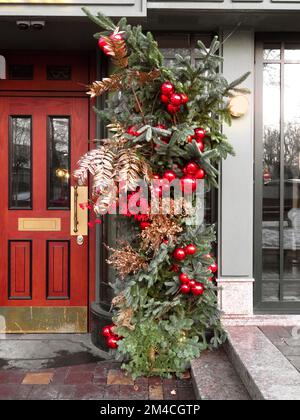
[170,328]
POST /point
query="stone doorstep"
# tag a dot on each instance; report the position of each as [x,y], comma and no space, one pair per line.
[214,378]
[265,372]
[261,320]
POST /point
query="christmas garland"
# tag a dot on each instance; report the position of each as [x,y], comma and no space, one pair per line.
[164,125]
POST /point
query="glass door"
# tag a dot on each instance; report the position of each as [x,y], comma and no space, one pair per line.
[277,186]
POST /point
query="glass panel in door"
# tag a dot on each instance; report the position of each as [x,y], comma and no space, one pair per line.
[280,277]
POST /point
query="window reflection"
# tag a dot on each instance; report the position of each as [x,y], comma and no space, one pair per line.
[272,53]
[59,162]
[20,162]
[281,179]
[271,175]
[292,53]
[291,172]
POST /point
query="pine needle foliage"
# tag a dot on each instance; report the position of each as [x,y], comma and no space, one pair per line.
[162,329]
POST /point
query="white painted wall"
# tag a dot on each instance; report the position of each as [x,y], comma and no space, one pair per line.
[236,189]
[236,193]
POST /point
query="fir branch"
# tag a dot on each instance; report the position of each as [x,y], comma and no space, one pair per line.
[101,20]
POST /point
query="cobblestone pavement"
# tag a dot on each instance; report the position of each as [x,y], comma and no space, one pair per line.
[69,367]
[287,340]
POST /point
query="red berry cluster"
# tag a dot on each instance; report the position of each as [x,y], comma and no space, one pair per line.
[192,172]
[172,99]
[95,222]
[85,206]
[132,131]
[142,218]
[213,267]
[199,135]
[104,45]
[190,285]
[168,175]
[180,254]
[111,338]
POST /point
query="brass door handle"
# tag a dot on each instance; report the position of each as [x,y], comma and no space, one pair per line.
[75,221]
[79,213]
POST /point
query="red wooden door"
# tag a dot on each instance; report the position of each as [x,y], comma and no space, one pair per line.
[44,272]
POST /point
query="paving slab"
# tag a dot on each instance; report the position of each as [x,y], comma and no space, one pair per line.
[287,341]
[117,377]
[265,371]
[69,367]
[42,378]
[214,378]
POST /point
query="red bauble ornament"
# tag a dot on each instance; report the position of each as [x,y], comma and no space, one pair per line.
[200,133]
[165,241]
[175,268]
[106,331]
[162,126]
[112,342]
[141,217]
[200,146]
[185,288]
[191,168]
[179,254]
[169,175]
[164,99]
[144,225]
[107,50]
[213,267]
[192,283]
[116,37]
[102,42]
[172,109]
[188,183]
[190,249]
[175,99]
[184,278]
[184,98]
[198,289]
[190,138]
[200,174]
[132,131]
[167,88]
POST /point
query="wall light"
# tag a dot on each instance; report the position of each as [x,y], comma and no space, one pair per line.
[238,106]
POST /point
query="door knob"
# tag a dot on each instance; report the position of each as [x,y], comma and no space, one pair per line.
[80,240]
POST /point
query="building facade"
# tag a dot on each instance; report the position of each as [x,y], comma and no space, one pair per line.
[53,275]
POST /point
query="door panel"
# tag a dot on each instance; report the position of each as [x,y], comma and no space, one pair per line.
[277,219]
[41,264]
